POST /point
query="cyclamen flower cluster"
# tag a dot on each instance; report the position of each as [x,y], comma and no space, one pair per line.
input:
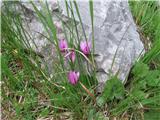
[85,47]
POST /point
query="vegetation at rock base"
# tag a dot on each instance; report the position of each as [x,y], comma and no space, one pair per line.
[28,92]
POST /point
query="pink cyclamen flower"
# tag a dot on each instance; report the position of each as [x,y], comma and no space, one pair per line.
[85,47]
[72,55]
[63,45]
[73,77]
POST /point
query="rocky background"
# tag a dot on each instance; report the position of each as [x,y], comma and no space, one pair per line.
[117,42]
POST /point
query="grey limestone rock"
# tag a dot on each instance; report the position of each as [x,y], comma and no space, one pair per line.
[117,43]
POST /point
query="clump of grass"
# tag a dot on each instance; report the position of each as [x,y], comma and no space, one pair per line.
[28,90]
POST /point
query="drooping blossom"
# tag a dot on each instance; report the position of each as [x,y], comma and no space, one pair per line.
[73,77]
[63,45]
[72,55]
[85,47]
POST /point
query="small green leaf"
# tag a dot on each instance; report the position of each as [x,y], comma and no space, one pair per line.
[91,114]
[153,78]
[138,94]
[100,101]
[44,112]
[140,70]
[113,89]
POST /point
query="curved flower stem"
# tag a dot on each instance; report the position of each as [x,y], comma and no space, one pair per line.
[82,55]
[89,93]
[67,54]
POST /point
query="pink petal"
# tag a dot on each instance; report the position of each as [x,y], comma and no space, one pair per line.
[73,77]
[78,74]
[85,47]
[72,56]
[82,45]
[63,45]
